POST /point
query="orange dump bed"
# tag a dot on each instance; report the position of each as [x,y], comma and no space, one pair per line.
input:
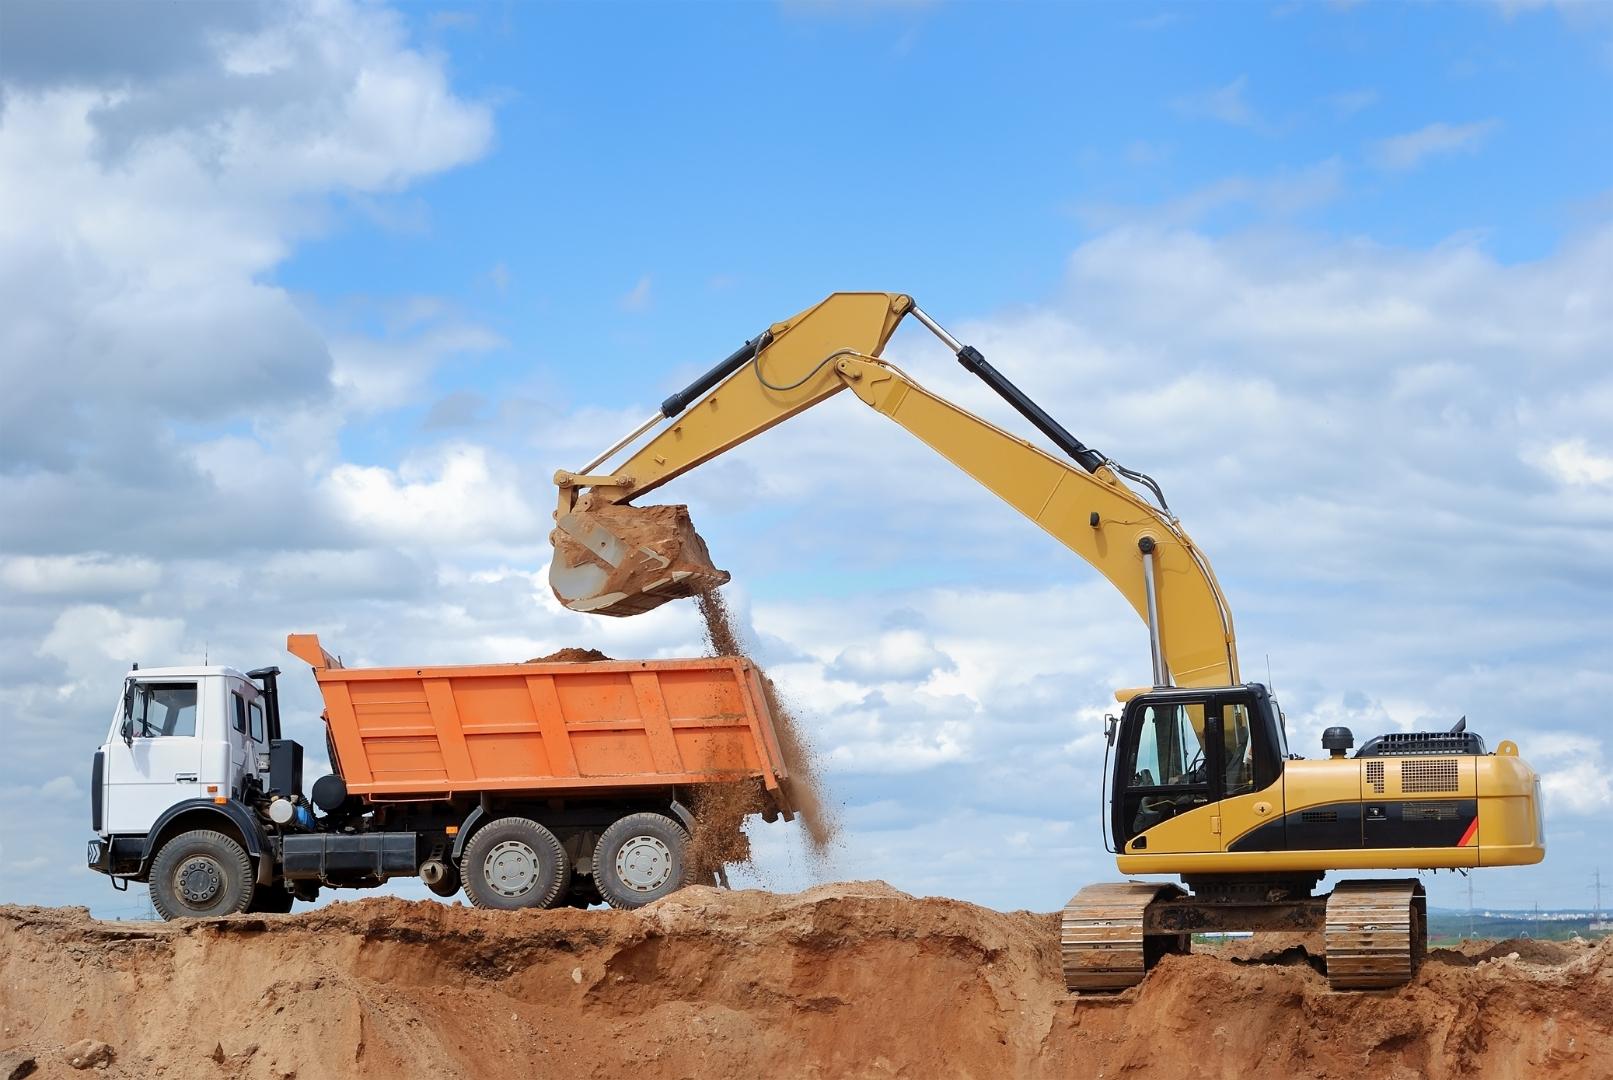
[554,728]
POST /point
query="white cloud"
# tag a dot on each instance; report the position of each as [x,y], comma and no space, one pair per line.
[1574,463]
[1347,103]
[86,637]
[70,575]
[1407,151]
[1229,104]
[62,788]
[638,297]
[457,495]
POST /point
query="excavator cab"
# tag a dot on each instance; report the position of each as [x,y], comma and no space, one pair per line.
[1179,751]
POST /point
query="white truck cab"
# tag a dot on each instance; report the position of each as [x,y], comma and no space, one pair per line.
[191,755]
[179,733]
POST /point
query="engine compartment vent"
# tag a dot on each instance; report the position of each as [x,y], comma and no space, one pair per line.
[1440,775]
[1319,816]
[1375,776]
[1413,743]
[1429,811]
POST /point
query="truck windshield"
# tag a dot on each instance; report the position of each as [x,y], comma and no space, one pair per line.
[161,709]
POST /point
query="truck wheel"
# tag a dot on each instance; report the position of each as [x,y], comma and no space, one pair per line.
[640,858]
[514,862]
[201,873]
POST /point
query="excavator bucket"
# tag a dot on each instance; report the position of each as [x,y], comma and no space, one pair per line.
[622,560]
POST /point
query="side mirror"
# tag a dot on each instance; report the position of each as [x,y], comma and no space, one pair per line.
[1109,725]
[127,730]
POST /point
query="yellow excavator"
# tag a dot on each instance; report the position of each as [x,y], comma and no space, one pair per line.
[1203,785]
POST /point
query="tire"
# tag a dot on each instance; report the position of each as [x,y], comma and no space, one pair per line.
[200,874]
[271,900]
[513,862]
[641,858]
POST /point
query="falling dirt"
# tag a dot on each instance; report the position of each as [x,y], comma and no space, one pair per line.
[805,788]
[570,656]
[847,980]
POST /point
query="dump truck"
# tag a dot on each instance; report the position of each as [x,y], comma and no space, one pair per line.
[538,784]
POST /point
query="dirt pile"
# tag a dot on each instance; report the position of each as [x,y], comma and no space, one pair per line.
[849,980]
[570,655]
[722,811]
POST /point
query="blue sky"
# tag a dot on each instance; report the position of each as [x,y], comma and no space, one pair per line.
[338,287]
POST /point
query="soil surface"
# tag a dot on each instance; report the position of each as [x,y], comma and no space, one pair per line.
[846,980]
[570,655]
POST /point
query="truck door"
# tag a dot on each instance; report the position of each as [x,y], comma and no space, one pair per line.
[154,755]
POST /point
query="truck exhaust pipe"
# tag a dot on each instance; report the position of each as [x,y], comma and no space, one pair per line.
[614,559]
[433,871]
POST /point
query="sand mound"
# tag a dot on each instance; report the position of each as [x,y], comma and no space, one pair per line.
[845,980]
[570,655]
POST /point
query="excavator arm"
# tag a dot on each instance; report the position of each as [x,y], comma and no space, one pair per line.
[615,558]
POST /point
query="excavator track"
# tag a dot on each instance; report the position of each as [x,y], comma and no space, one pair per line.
[1377,934]
[1103,941]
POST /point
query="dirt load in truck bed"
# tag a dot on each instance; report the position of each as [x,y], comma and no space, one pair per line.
[846,980]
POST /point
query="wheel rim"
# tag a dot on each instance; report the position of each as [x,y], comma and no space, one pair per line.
[511,868]
[644,864]
[199,880]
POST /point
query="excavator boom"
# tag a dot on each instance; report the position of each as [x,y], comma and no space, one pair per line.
[612,558]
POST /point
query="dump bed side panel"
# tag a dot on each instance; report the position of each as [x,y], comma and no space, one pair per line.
[549,727]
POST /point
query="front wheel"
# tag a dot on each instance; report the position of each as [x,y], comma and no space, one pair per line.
[641,858]
[199,874]
[514,862]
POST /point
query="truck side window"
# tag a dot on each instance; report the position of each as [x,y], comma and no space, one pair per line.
[163,709]
[240,713]
[257,722]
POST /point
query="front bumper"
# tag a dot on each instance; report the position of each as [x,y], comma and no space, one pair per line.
[117,856]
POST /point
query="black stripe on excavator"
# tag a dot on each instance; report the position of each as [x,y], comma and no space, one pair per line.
[972,360]
[1420,823]
[741,356]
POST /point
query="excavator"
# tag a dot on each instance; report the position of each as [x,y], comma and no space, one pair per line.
[1202,785]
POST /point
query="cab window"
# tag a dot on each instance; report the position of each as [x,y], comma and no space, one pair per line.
[1170,751]
[158,710]
[257,722]
[240,713]
[1237,751]
[1167,765]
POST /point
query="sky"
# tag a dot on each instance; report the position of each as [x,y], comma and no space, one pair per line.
[301,306]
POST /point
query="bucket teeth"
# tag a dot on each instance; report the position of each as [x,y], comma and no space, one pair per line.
[623,560]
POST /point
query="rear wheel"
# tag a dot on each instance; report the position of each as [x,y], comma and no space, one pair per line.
[201,873]
[641,858]
[514,863]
